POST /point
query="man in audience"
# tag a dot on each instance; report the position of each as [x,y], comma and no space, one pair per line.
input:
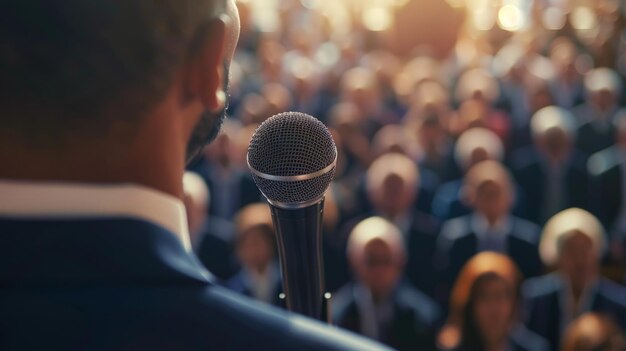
[607,169]
[490,227]
[255,246]
[597,114]
[473,146]
[552,173]
[573,242]
[231,187]
[378,304]
[211,237]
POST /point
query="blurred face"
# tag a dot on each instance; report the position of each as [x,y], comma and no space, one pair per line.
[603,100]
[394,196]
[578,260]
[492,200]
[555,143]
[378,269]
[255,251]
[494,306]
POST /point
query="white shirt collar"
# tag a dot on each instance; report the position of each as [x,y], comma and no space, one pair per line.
[481,226]
[74,200]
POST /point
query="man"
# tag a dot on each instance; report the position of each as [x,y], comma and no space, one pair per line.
[378,304]
[255,246]
[489,227]
[596,116]
[572,242]
[551,173]
[211,237]
[102,103]
[607,170]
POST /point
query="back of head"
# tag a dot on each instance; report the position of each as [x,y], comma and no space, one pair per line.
[475,145]
[593,332]
[83,63]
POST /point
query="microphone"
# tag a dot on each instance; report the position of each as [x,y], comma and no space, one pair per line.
[292,158]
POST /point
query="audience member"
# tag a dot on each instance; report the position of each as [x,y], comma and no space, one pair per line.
[484,309]
[255,247]
[593,332]
[551,173]
[572,242]
[211,237]
[378,304]
[488,189]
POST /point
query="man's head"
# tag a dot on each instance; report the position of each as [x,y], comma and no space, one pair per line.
[377,255]
[489,189]
[254,237]
[476,145]
[603,87]
[392,184]
[554,131]
[114,74]
[573,240]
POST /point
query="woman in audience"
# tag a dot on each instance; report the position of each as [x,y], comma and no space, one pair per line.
[484,309]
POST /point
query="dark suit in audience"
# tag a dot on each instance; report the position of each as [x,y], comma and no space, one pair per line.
[545,296]
[594,136]
[568,184]
[406,321]
[242,283]
[608,180]
[215,247]
[460,239]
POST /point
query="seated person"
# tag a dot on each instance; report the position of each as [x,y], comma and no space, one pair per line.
[490,226]
[211,237]
[378,304]
[484,309]
[551,173]
[607,170]
[255,247]
[593,332]
[393,187]
[603,86]
[473,146]
[572,242]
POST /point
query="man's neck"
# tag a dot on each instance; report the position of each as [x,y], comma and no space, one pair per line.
[159,166]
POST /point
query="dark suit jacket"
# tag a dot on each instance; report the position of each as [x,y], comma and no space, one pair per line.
[543,306]
[124,284]
[245,192]
[240,284]
[530,174]
[415,317]
[591,139]
[216,248]
[457,243]
[606,185]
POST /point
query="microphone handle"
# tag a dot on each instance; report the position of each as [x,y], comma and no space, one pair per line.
[299,240]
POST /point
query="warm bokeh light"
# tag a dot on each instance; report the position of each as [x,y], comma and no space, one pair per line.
[510,18]
[377,18]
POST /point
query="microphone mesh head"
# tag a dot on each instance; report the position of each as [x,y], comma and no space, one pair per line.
[292,144]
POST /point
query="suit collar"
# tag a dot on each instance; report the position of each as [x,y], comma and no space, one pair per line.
[93,252]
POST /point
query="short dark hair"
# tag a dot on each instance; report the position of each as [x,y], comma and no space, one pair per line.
[76,61]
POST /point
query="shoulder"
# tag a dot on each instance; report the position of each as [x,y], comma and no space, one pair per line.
[602,162]
[524,339]
[342,300]
[456,228]
[539,287]
[612,292]
[526,231]
[422,306]
[524,158]
[268,326]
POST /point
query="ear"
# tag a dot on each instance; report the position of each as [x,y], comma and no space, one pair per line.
[205,67]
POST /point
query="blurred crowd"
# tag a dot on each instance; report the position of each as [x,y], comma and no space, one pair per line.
[480,195]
